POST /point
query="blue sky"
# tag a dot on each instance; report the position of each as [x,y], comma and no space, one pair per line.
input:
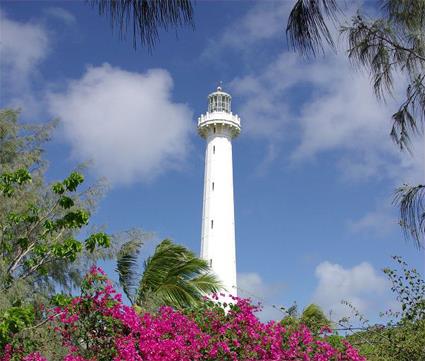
[314,168]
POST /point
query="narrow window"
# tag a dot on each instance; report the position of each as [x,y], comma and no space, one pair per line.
[212,224]
[213,149]
[214,129]
[212,185]
[210,262]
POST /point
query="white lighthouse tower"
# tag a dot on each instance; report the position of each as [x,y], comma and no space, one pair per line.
[218,127]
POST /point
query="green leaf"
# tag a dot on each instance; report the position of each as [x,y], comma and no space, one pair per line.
[7,180]
[75,219]
[21,176]
[61,300]
[73,181]
[58,188]
[100,239]
[66,202]
[68,249]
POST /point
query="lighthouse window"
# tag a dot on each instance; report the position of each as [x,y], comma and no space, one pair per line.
[210,262]
[214,130]
[212,185]
[212,224]
[213,149]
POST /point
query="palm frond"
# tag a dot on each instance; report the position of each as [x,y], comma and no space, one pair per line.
[307,29]
[176,277]
[145,17]
[412,212]
[206,284]
[127,263]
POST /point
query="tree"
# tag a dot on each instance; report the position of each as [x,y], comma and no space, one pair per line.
[314,318]
[391,44]
[37,246]
[172,276]
[41,251]
[145,17]
[28,202]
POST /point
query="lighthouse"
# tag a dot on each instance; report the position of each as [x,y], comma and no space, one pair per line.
[218,126]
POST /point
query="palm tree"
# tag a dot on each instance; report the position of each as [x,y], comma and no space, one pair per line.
[172,276]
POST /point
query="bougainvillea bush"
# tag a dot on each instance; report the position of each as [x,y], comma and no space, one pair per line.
[97,326]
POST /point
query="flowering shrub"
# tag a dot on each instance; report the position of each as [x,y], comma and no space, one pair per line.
[97,326]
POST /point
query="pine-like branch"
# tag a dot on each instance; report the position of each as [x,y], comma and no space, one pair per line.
[144,18]
[307,29]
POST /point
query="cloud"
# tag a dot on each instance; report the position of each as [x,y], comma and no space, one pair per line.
[263,21]
[319,107]
[125,122]
[251,285]
[323,106]
[380,221]
[359,285]
[61,14]
[22,46]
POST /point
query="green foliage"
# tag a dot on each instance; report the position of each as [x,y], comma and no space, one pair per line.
[403,338]
[176,277]
[39,236]
[32,240]
[314,318]
[172,276]
[99,239]
[60,300]
[127,264]
[8,180]
[14,320]
[40,250]
[409,288]
[21,144]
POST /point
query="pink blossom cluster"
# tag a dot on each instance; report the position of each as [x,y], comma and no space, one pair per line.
[98,326]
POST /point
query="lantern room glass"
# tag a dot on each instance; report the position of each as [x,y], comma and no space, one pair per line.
[219,102]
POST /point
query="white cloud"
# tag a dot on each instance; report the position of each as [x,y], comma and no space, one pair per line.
[261,22]
[61,14]
[23,45]
[359,285]
[380,221]
[323,104]
[251,285]
[125,122]
[336,114]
